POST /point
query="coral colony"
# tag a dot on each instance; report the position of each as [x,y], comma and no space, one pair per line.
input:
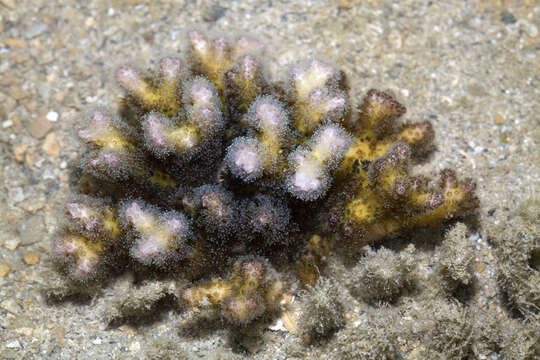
[240,186]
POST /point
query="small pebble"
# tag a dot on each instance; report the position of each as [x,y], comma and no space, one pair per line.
[7,123]
[4,270]
[15,43]
[277,325]
[529,28]
[480,267]
[14,344]
[10,4]
[18,152]
[26,331]
[134,346]
[127,329]
[39,128]
[498,119]
[31,229]
[12,244]
[59,332]
[11,305]
[476,89]
[290,321]
[508,18]
[96,341]
[17,195]
[52,116]
[345,4]
[17,93]
[31,258]
[89,22]
[50,145]
[35,30]
[394,38]
[213,12]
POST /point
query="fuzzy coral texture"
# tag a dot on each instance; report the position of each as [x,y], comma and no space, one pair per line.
[238,186]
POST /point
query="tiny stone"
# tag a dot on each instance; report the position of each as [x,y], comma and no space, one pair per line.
[12,244]
[4,270]
[15,43]
[30,104]
[59,332]
[529,28]
[480,267]
[31,259]
[35,29]
[89,22]
[345,4]
[96,341]
[213,12]
[476,90]
[17,93]
[31,229]
[52,116]
[508,18]
[498,119]
[127,329]
[63,164]
[39,128]
[26,331]
[17,195]
[278,325]
[149,37]
[14,344]
[7,79]
[11,305]
[134,346]
[7,123]
[50,145]
[394,38]
[18,152]
[10,4]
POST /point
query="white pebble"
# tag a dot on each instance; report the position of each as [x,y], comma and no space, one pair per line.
[278,326]
[7,123]
[15,344]
[96,341]
[17,195]
[135,346]
[52,116]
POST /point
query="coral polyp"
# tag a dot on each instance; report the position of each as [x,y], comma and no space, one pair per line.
[237,186]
